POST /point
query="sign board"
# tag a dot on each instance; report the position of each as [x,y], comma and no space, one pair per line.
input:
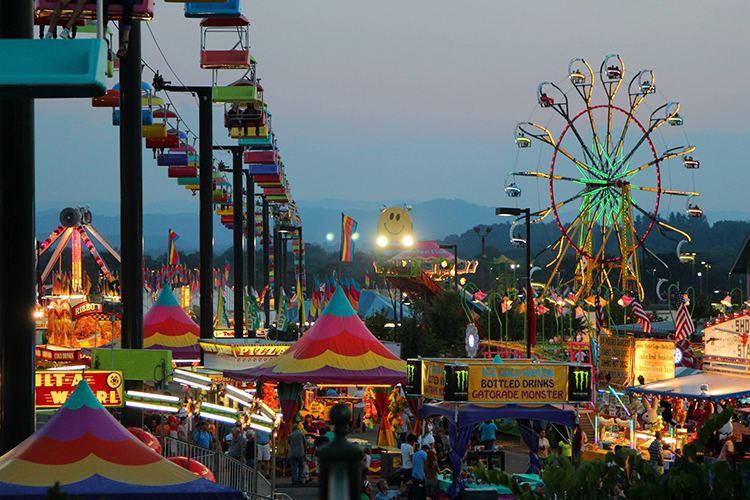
[579,383]
[518,383]
[57,354]
[413,376]
[135,364]
[456,382]
[654,359]
[433,379]
[53,387]
[728,341]
[615,359]
[85,309]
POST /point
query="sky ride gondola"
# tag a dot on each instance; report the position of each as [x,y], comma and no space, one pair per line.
[143,10]
[172,159]
[179,172]
[237,57]
[220,8]
[694,211]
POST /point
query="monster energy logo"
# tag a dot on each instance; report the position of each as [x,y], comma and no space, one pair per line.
[410,373]
[462,380]
[581,379]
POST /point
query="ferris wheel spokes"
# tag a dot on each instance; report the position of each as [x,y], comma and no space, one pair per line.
[524,130]
[641,85]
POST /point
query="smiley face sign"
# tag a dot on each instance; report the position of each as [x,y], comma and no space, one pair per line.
[395,227]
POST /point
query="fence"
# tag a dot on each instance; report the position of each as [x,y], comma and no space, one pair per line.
[227,470]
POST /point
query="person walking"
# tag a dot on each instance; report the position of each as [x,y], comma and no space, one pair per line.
[202,437]
[236,448]
[297,455]
[263,450]
[417,490]
[579,439]
[656,453]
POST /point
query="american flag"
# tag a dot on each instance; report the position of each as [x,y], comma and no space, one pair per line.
[599,314]
[641,316]
[683,323]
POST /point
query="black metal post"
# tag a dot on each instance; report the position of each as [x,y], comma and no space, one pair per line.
[276,266]
[131,207]
[250,194]
[206,214]
[529,291]
[266,270]
[239,239]
[17,256]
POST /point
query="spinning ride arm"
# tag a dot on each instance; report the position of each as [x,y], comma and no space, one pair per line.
[66,234]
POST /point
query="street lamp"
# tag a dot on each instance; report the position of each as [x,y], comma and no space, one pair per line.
[483,232]
[454,248]
[515,212]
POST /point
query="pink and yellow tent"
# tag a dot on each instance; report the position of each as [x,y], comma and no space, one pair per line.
[167,326]
[90,455]
[338,349]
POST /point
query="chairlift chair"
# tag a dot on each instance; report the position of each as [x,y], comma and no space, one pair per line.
[179,172]
[215,8]
[143,10]
[238,57]
[513,190]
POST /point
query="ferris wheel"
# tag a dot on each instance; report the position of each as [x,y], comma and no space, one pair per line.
[605,171]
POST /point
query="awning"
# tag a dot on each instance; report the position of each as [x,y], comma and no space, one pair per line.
[470,414]
[717,386]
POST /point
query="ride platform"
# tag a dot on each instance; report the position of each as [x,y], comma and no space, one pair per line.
[52,68]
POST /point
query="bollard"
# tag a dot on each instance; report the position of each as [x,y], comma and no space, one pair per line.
[340,461]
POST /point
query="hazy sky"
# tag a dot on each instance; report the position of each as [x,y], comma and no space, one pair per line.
[418,99]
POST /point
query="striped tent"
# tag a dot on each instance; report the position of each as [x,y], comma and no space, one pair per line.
[90,455]
[167,326]
[338,349]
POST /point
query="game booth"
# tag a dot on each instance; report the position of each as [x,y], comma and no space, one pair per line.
[468,391]
[680,405]
[337,353]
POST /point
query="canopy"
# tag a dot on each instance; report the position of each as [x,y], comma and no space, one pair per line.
[338,349]
[92,456]
[167,326]
[718,386]
[471,414]
[428,251]
[372,303]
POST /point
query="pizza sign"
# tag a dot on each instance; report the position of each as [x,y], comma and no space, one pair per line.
[53,387]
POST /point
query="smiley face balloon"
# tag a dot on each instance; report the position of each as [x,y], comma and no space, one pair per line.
[395,228]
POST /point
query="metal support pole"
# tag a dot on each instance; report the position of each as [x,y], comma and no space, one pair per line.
[131,206]
[206,214]
[455,267]
[17,255]
[529,291]
[239,239]
[266,276]
[276,267]
[250,194]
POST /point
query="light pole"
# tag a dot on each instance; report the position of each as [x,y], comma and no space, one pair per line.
[483,232]
[454,248]
[700,283]
[515,212]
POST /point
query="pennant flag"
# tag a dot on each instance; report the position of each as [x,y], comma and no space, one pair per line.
[579,312]
[282,319]
[479,295]
[641,316]
[367,280]
[252,316]
[173,258]
[348,228]
[301,298]
[506,304]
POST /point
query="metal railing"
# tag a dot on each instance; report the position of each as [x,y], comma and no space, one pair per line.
[228,471]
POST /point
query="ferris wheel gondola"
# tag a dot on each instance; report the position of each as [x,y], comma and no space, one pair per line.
[515,240]
[691,163]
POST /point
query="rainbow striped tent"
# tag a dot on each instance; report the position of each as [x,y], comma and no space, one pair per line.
[338,349]
[167,326]
[86,451]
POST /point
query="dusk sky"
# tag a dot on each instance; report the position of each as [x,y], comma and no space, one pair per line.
[418,99]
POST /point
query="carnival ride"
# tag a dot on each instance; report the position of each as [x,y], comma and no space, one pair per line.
[76,227]
[604,168]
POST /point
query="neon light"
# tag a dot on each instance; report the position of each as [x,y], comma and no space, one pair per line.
[149,406]
[147,395]
[219,418]
[218,407]
[191,384]
[192,374]
[238,400]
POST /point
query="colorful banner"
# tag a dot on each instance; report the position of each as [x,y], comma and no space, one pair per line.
[518,383]
[654,360]
[54,387]
[433,379]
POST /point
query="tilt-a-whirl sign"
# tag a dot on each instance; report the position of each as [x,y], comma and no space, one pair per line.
[513,381]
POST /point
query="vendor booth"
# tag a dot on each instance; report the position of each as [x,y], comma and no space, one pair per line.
[338,351]
[467,392]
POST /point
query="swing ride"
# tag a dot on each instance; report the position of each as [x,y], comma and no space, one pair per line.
[609,161]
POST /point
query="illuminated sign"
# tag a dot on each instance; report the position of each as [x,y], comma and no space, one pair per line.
[579,383]
[249,350]
[520,383]
[46,354]
[654,360]
[616,358]
[728,341]
[86,308]
[456,382]
[54,387]
[433,379]
[413,376]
